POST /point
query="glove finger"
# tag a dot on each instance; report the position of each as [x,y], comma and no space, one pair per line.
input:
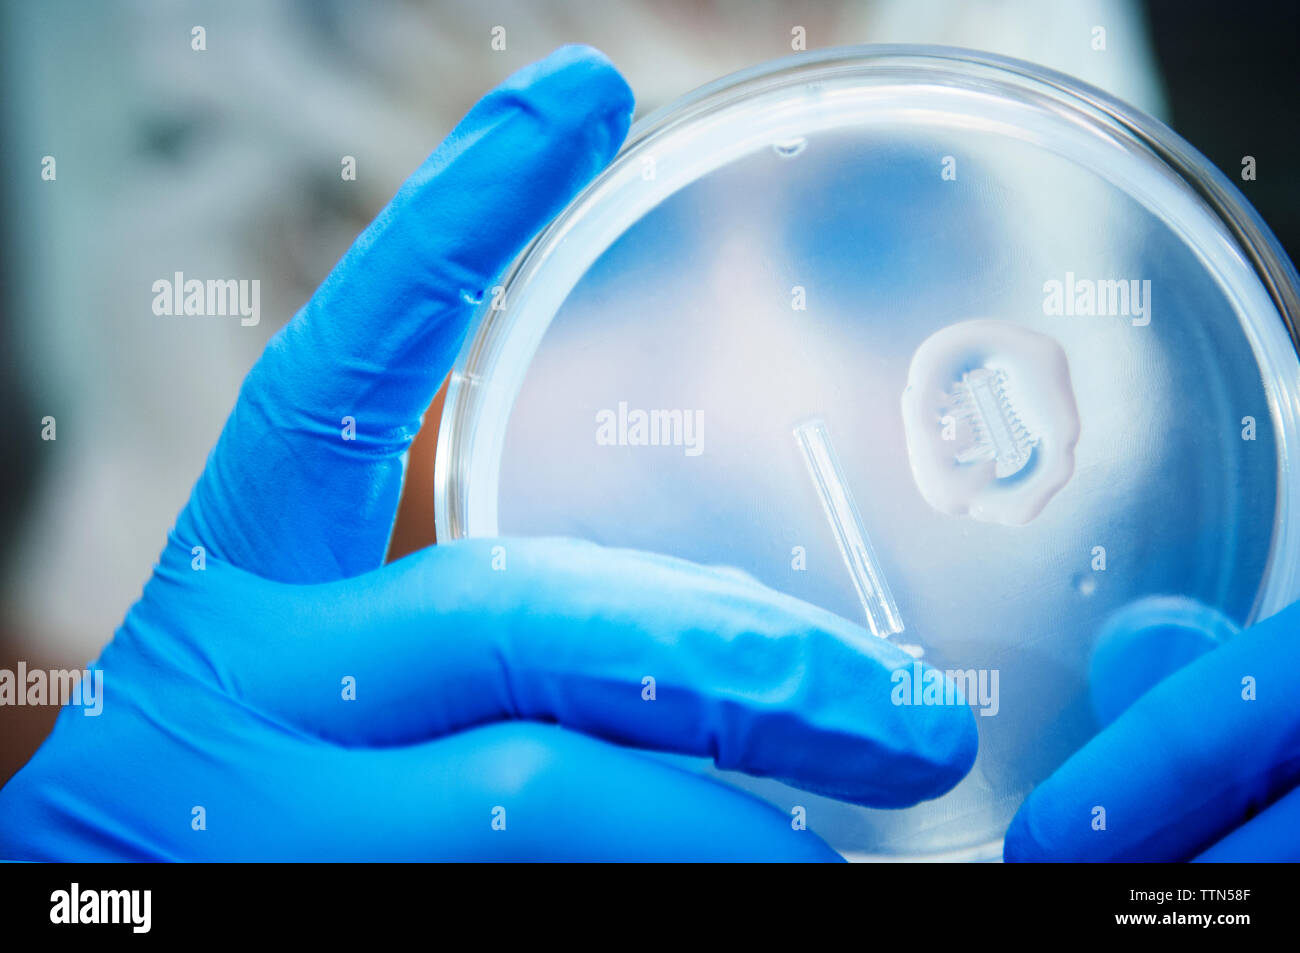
[1271,838]
[304,481]
[271,794]
[1145,642]
[528,792]
[1191,759]
[638,649]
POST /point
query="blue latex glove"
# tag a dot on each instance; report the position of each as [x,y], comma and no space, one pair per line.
[1203,766]
[475,689]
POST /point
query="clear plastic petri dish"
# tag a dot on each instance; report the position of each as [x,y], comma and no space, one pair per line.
[949,344]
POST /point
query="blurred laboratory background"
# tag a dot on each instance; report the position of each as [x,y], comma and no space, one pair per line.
[226,162]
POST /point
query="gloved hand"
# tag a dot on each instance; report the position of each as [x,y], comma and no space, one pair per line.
[495,690]
[1203,766]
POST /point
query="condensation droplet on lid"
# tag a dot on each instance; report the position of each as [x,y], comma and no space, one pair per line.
[789,148]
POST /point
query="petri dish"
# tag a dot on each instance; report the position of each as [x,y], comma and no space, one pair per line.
[952,345]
